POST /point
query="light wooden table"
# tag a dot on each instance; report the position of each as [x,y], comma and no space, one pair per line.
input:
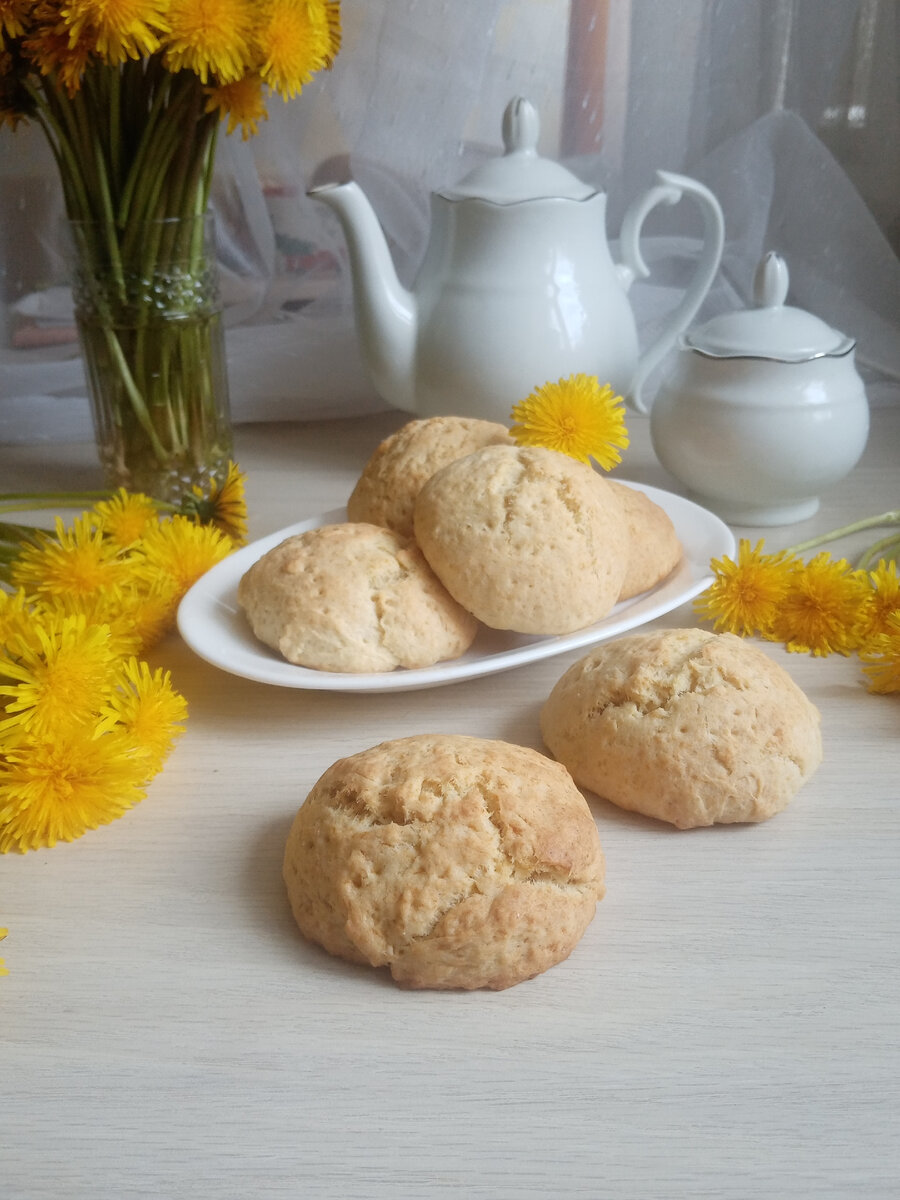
[727,1028]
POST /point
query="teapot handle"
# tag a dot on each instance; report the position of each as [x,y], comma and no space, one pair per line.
[669,190]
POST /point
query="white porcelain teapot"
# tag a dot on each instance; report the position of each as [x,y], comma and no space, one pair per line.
[517,287]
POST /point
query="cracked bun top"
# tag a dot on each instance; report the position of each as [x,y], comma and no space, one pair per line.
[386,491]
[525,538]
[457,862]
[691,727]
[353,597]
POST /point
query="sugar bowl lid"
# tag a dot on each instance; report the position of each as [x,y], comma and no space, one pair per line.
[520,173]
[772,329]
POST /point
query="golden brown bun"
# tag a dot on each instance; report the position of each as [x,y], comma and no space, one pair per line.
[527,539]
[455,861]
[353,597]
[692,727]
[654,549]
[387,488]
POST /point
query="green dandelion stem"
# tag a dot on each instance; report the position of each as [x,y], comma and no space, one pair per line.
[26,501]
[886,548]
[10,532]
[891,517]
[147,149]
[53,123]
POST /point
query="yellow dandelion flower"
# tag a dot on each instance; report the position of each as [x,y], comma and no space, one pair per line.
[15,615]
[52,51]
[8,115]
[210,38]
[78,561]
[58,670]
[3,970]
[13,14]
[150,612]
[576,416]
[295,39]
[109,609]
[55,791]
[150,709]
[125,517]
[820,610]
[881,657]
[138,613]
[882,601]
[121,29]
[241,102]
[745,594]
[224,505]
[183,551]
[333,18]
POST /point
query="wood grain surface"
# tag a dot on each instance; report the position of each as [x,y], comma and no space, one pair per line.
[726,1029]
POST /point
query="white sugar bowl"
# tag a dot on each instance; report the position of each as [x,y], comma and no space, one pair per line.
[763,410]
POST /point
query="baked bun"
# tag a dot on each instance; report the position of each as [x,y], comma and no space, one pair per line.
[353,597]
[455,861]
[691,727]
[387,488]
[525,538]
[654,549]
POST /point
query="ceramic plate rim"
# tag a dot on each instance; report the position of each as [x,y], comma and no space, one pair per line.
[213,626]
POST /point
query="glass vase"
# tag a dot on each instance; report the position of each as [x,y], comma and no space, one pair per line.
[149,320]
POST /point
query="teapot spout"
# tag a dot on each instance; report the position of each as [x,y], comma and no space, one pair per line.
[385,311]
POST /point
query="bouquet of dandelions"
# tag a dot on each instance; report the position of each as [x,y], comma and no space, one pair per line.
[129,94]
[85,723]
[822,606]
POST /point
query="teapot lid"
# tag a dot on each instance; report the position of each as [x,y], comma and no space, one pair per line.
[520,173]
[772,329]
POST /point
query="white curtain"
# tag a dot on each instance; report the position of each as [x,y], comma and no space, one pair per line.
[787,109]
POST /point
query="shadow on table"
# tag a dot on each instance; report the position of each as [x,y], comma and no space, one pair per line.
[263,889]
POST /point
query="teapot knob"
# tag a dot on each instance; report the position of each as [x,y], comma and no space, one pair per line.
[770,283]
[521,127]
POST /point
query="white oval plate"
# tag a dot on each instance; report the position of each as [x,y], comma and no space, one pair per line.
[217,630]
